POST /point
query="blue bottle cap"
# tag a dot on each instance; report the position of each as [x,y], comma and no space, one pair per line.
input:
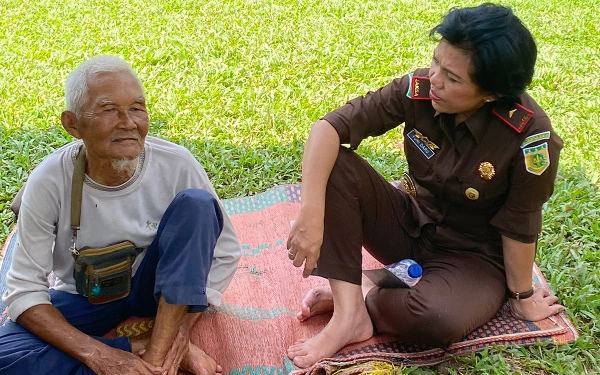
[415,271]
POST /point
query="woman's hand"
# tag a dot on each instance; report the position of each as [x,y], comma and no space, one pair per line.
[306,236]
[518,261]
[305,239]
[539,306]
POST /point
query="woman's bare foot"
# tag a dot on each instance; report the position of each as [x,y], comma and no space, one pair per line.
[350,323]
[317,301]
[198,362]
[339,332]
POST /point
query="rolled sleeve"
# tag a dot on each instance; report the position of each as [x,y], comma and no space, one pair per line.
[22,303]
[225,260]
[520,218]
[372,114]
[27,279]
[522,226]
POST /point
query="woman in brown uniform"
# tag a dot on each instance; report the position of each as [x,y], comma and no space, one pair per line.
[482,158]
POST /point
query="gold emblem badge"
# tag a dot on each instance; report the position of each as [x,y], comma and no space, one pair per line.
[432,146]
[472,194]
[486,170]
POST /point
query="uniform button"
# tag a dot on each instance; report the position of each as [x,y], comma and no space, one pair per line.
[472,194]
[439,179]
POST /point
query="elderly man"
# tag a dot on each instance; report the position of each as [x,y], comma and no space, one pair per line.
[148,191]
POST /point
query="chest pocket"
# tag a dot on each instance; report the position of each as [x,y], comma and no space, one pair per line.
[475,192]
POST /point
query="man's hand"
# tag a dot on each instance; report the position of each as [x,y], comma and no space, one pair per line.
[111,361]
[47,323]
[539,306]
[304,241]
[177,352]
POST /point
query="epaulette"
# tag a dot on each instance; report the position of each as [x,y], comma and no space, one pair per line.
[516,118]
[419,88]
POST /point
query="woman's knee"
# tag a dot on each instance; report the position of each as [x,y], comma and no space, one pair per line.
[415,319]
[439,328]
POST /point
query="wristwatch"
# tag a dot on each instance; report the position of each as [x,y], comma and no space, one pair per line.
[519,295]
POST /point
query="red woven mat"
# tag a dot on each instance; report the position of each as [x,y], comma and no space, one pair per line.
[250,332]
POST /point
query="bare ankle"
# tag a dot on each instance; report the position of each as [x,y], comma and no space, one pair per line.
[153,358]
[140,342]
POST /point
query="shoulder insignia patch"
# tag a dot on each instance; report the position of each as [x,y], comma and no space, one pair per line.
[535,137]
[419,88]
[537,159]
[516,118]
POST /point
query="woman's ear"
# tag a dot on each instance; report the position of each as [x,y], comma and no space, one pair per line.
[492,98]
[69,121]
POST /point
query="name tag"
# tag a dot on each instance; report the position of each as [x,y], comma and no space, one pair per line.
[422,146]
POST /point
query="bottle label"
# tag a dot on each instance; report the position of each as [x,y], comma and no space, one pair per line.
[383,278]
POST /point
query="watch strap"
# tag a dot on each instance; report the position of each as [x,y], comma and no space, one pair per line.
[519,295]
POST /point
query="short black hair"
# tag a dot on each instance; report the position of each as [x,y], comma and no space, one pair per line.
[502,50]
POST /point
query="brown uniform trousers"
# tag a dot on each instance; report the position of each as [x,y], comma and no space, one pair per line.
[460,289]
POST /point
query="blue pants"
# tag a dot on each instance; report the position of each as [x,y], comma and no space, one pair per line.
[176,266]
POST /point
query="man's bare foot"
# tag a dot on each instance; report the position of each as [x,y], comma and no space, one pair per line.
[317,301]
[198,362]
[139,343]
[339,332]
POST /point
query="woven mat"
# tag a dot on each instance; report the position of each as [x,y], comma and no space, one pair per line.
[250,332]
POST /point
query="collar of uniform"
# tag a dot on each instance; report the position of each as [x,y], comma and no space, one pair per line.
[477,123]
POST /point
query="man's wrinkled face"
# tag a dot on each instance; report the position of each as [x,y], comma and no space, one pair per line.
[114,121]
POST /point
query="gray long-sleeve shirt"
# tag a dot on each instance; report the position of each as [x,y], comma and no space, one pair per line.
[131,211]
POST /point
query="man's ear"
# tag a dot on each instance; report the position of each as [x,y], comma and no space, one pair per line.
[69,122]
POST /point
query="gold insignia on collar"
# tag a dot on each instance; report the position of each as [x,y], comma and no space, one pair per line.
[486,170]
[472,194]
[517,118]
[432,146]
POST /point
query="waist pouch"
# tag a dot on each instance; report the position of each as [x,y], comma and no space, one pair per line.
[103,274]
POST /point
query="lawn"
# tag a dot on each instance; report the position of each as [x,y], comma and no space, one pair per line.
[239,82]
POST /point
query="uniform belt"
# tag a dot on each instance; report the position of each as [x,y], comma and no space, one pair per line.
[409,185]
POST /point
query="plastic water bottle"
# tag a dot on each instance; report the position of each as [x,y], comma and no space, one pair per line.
[407,270]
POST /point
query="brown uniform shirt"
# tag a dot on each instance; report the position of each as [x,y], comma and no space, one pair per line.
[486,176]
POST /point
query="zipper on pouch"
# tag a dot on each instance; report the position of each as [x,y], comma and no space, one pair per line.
[102,251]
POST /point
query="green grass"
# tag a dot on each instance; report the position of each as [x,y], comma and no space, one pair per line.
[239,82]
